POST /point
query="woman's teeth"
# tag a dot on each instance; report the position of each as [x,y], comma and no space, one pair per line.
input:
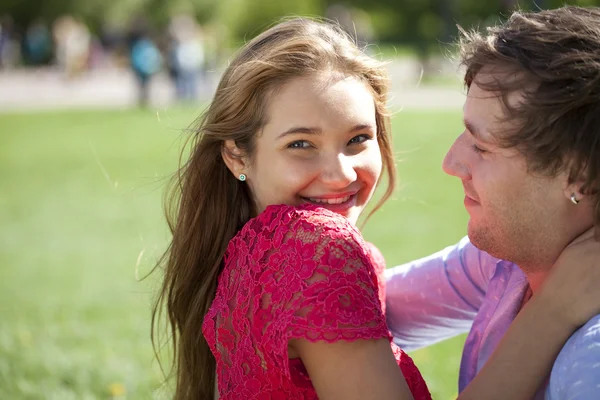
[339,200]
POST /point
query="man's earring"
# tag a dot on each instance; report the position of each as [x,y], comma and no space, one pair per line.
[242,177]
[574,199]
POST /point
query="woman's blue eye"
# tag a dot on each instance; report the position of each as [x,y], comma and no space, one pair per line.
[359,139]
[299,144]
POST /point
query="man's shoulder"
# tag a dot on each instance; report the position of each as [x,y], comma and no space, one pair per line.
[583,345]
[576,372]
[591,327]
[587,335]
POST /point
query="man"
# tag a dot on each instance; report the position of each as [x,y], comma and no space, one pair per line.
[529,162]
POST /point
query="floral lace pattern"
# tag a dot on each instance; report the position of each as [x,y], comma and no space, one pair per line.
[294,272]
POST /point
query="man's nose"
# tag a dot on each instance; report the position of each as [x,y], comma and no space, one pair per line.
[454,163]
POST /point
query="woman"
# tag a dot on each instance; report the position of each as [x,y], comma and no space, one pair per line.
[270,290]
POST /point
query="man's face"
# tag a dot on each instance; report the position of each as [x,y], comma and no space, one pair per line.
[515,214]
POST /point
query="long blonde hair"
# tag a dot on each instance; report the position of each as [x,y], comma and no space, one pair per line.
[207,205]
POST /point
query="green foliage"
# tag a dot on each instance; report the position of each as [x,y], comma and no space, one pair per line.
[252,17]
[424,23]
[420,23]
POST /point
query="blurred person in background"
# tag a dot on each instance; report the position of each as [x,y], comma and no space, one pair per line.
[529,162]
[5,33]
[270,289]
[37,44]
[9,48]
[98,57]
[72,40]
[215,47]
[144,56]
[356,22]
[186,56]
[112,39]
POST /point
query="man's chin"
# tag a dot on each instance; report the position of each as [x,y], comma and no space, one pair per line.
[478,237]
[488,243]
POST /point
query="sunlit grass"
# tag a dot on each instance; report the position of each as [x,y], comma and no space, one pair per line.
[81,222]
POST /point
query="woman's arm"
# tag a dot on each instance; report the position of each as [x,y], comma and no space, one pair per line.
[524,357]
[526,354]
[357,370]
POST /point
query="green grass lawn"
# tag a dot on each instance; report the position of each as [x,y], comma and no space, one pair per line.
[81,222]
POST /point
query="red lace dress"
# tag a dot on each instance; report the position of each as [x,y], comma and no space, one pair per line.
[294,272]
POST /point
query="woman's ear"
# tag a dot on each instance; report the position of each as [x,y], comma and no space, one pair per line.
[234,158]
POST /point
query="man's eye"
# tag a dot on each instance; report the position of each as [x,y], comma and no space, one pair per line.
[478,149]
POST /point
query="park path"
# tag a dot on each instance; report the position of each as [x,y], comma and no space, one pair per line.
[48,89]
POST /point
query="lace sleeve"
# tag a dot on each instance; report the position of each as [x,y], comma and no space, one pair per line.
[379,266]
[319,282]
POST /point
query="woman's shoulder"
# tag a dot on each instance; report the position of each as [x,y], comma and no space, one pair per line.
[376,257]
[308,212]
[299,219]
[282,232]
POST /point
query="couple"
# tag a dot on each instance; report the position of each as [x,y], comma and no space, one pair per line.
[270,290]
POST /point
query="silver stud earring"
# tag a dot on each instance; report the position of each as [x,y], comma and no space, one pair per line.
[242,177]
[574,199]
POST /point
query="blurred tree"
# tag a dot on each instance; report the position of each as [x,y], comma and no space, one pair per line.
[427,23]
[248,18]
[422,23]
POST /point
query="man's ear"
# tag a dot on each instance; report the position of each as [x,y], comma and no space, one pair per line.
[574,192]
[234,158]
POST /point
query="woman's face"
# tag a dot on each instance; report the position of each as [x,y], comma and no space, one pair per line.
[319,146]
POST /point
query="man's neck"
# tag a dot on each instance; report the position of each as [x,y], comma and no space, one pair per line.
[536,279]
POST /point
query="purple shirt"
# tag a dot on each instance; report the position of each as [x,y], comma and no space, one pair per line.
[463,289]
